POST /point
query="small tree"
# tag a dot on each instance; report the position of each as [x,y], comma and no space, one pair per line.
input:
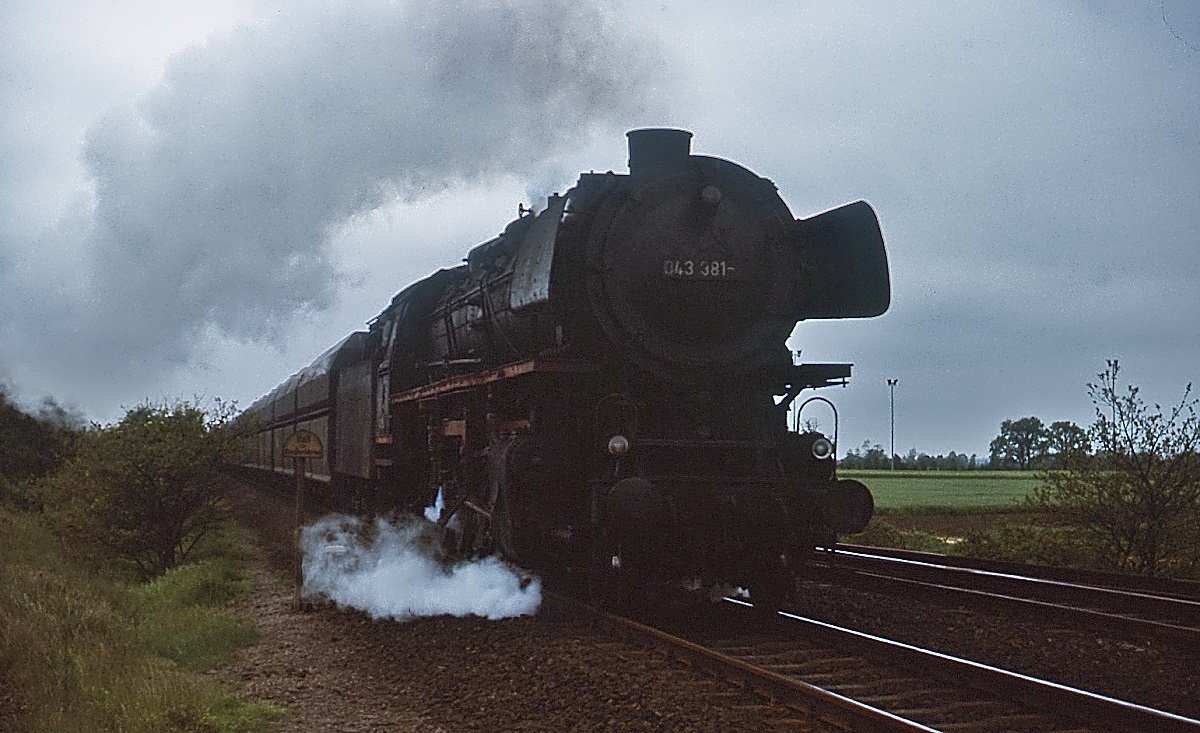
[148,487]
[1067,442]
[1140,494]
[1022,442]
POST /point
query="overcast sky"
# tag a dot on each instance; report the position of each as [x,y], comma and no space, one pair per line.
[197,198]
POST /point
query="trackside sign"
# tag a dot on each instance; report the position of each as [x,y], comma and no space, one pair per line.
[303,444]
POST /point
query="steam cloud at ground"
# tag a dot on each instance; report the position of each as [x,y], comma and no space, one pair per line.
[389,570]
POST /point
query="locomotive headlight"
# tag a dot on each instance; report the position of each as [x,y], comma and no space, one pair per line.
[822,449]
[618,445]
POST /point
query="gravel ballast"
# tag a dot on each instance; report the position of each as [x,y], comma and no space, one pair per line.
[340,670]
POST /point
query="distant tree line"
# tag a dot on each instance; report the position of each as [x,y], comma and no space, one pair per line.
[868,456]
[1025,444]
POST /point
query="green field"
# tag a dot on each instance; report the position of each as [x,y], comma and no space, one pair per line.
[898,492]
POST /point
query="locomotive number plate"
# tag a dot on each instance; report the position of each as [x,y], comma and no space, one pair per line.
[699,269]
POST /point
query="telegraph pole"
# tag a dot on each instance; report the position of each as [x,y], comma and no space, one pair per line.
[892,399]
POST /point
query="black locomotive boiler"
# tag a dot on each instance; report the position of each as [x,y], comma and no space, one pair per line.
[604,387]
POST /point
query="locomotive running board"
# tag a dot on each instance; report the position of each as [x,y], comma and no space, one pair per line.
[478,379]
[815,376]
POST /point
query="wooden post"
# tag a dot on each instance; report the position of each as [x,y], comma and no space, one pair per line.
[299,574]
[301,446]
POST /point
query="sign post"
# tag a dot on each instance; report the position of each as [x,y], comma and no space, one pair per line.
[301,446]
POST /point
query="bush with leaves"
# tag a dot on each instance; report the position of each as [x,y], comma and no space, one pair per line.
[147,488]
[1139,495]
[1032,543]
[32,446]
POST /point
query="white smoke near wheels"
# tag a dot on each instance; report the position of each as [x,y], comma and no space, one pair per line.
[389,569]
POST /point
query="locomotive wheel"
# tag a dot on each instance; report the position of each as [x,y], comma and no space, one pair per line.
[772,585]
[448,542]
[613,584]
[514,530]
[503,532]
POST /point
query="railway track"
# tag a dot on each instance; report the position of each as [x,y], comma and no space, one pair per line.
[834,685]
[1151,608]
[1101,578]
[839,679]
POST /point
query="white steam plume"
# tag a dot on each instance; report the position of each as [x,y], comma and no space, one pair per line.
[389,570]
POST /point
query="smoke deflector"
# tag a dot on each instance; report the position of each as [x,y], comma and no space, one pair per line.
[842,270]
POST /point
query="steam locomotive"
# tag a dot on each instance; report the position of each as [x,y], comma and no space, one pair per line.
[604,388]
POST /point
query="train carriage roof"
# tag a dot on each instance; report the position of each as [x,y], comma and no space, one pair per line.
[426,288]
[344,352]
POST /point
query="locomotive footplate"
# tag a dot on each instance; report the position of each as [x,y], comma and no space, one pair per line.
[512,370]
[800,377]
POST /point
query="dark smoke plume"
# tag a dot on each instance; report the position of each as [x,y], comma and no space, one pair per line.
[216,196]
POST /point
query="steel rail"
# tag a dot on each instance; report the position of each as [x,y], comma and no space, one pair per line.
[1169,616]
[819,706]
[1119,597]
[1169,587]
[1185,634]
[1088,707]
[829,707]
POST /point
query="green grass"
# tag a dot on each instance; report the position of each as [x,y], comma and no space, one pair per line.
[880,533]
[900,492]
[906,501]
[179,616]
[84,653]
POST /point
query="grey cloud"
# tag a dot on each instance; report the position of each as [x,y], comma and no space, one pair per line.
[1034,168]
[216,195]
[1033,164]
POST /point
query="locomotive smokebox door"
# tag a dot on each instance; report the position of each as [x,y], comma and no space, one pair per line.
[683,269]
[843,269]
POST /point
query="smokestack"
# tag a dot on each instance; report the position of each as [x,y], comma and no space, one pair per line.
[653,148]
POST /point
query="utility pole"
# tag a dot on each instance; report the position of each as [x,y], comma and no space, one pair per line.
[892,399]
[794,409]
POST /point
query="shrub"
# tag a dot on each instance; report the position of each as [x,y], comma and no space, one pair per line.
[31,447]
[1032,543]
[147,489]
[1139,494]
